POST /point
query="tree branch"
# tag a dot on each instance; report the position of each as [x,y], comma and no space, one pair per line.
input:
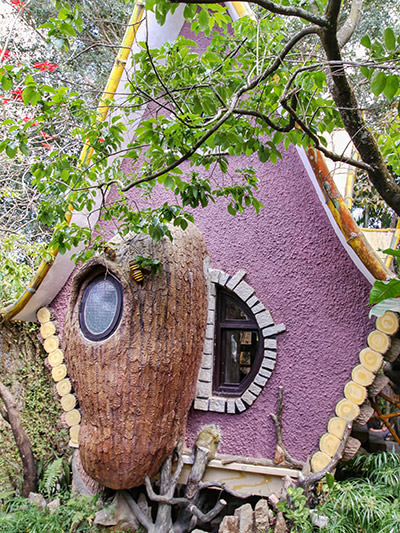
[347,105]
[349,26]
[22,441]
[277,419]
[334,157]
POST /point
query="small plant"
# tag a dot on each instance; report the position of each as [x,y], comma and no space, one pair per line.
[148,264]
[56,477]
[75,515]
[296,510]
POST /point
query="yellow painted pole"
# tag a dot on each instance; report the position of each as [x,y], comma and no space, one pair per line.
[13,309]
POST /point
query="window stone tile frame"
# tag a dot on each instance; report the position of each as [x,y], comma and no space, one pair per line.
[204,399]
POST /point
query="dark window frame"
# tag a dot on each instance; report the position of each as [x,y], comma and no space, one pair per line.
[102,276]
[220,388]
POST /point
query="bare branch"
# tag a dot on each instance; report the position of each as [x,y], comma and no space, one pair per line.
[211,514]
[319,146]
[309,480]
[277,419]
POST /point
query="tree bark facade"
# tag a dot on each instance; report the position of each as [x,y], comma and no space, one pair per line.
[135,387]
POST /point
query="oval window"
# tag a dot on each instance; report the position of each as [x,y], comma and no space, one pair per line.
[101,306]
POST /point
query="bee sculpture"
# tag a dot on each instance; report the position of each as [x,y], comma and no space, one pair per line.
[110,252]
[136,272]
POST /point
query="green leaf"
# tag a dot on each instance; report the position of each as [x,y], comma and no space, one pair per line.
[382,290]
[366,41]
[391,87]
[390,39]
[27,94]
[6,82]
[203,20]
[367,72]
[330,480]
[390,304]
[378,83]
[390,251]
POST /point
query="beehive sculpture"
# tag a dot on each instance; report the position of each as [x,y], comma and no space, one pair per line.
[135,386]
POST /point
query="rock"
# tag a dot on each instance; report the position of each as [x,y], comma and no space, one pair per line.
[53,505]
[318,520]
[199,531]
[280,524]
[118,513]
[229,524]
[245,515]
[37,499]
[273,500]
[261,515]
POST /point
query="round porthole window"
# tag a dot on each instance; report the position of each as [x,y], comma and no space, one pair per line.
[101,306]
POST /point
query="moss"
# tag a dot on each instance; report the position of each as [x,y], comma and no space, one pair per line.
[23,371]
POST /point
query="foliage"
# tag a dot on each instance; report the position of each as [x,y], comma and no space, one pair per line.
[385,293]
[369,503]
[296,510]
[56,478]
[23,371]
[75,515]
[242,95]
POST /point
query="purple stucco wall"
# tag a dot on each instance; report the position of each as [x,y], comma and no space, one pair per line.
[302,274]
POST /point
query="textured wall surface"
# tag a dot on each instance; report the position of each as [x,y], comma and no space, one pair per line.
[302,274]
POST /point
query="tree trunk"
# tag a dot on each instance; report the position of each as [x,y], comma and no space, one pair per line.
[353,121]
[22,441]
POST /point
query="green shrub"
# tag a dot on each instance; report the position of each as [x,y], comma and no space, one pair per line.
[19,515]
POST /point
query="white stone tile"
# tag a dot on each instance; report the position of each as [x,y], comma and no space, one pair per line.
[210,331]
[264,319]
[230,407]
[252,302]
[243,290]
[273,330]
[213,275]
[270,354]
[248,398]
[237,278]
[255,389]
[257,308]
[270,344]
[268,363]
[207,360]
[260,380]
[208,346]
[223,278]
[203,390]
[240,405]
[217,405]
[205,375]
[201,405]
[264,372]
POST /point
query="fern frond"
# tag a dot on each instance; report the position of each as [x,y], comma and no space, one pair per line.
[51,475]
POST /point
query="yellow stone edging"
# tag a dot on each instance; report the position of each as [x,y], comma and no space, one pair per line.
[55,357]
[355,393]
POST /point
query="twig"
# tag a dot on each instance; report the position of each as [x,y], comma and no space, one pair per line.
[277,419]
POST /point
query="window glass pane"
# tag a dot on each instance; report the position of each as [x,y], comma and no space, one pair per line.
[240,350]
[233,311]
[101,306]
